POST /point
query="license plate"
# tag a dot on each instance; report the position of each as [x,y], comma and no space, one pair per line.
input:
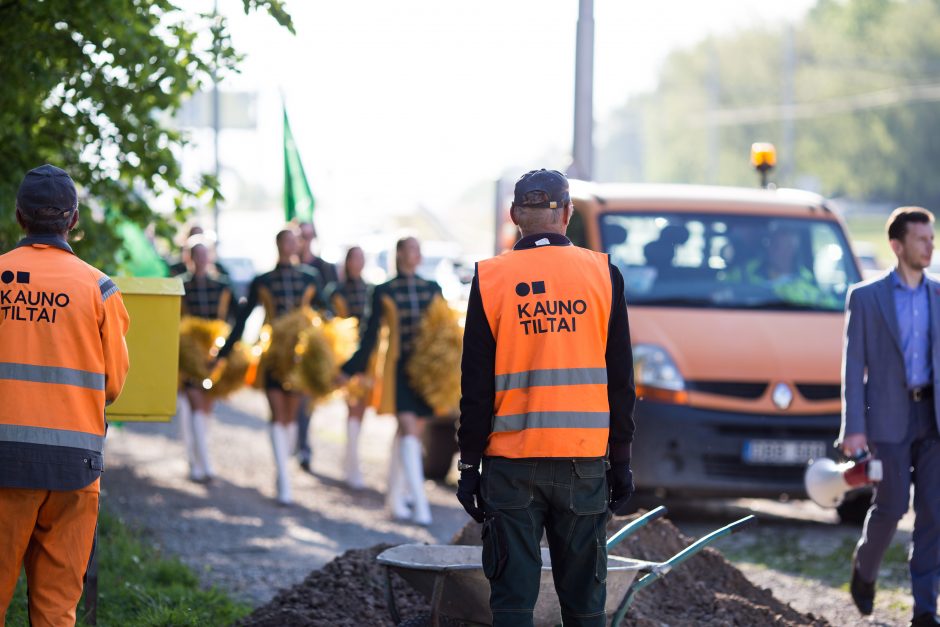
[782,451]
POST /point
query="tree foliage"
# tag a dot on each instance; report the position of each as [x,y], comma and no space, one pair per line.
[91,86]
[860,128]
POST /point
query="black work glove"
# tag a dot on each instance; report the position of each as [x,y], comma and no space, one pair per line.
[620,483]
[468,493]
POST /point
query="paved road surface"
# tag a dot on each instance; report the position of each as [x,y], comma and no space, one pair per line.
[233,531]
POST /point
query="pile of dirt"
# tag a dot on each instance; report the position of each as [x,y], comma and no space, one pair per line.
[350,591]
[706,590]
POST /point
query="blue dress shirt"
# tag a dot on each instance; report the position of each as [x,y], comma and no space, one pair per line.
[913,313]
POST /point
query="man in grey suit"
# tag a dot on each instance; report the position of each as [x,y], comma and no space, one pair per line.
[890,368]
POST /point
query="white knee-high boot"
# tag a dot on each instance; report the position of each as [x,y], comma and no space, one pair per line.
[184,414]
[353,474]
[201,441]
[396,499]
[414,475]
[281,444]
[292,429]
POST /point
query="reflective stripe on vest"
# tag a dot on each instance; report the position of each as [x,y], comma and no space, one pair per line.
[52,374]
[51,437]
[557,376]
[552,420]
[548,309]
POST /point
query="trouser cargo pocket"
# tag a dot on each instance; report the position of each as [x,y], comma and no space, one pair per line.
[495,549]
[589,487]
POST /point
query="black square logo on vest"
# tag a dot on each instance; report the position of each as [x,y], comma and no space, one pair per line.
[22,277]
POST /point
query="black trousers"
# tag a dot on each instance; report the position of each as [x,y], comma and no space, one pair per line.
[568,500]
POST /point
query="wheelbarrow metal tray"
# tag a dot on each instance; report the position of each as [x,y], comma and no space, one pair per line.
[466,591]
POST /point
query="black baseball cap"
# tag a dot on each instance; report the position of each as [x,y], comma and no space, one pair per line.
[47,187]
[552,184]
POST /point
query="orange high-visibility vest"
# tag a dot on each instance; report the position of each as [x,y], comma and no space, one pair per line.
[549,309]
[62,358]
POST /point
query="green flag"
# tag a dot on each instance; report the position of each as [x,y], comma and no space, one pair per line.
[298,199]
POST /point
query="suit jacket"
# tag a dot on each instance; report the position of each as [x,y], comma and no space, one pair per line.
[875,399]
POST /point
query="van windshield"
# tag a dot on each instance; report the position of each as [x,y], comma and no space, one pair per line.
[730,261]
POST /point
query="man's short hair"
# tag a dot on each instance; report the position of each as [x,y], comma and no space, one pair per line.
[46,200]
[46,221]
[902,216]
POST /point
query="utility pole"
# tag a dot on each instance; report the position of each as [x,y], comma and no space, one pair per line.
[788,143]
[502,189]
[582,165]
[713,138]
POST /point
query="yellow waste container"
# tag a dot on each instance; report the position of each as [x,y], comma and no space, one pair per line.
[153,343]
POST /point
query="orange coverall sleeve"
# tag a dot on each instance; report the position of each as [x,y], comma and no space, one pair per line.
[116,361]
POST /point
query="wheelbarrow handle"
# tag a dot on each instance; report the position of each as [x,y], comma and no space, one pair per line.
[663,568]
[634,525]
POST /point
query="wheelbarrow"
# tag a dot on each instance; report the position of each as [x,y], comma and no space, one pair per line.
[451,577]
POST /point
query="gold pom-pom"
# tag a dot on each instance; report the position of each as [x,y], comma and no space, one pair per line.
[200,341]
[434,367]
[342,334]
[230,374]
[323,348]
[359,389]
[282,357]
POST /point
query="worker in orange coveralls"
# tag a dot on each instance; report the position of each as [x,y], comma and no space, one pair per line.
[62,359]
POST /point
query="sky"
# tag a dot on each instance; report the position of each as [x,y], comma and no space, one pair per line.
[396,105]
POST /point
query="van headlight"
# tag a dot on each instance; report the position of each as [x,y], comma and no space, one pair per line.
[656,375]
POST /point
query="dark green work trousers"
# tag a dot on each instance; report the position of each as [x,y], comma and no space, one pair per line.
[568,499]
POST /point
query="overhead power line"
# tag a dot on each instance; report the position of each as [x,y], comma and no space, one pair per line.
[740,116]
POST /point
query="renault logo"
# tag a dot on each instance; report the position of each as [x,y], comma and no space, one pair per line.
[782,396]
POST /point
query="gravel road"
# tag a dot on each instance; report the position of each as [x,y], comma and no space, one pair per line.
[236,537]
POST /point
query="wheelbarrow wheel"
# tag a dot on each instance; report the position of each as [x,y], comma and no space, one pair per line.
[424,620]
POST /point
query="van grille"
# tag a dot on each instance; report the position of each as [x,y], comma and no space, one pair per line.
[820,391]
[731,467]
[738,389]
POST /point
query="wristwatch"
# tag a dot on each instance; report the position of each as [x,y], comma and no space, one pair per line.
[461,465]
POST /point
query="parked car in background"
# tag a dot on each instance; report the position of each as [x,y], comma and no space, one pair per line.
[868,261]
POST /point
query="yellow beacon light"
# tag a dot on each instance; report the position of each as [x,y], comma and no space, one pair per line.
[763,158]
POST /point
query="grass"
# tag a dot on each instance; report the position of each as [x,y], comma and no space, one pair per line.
[139,586]
[829,564]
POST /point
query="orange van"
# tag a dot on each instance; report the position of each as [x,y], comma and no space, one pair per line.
[736,301]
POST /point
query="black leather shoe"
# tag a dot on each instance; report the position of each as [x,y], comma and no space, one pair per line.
[925,620]
[305,465]
[863,593]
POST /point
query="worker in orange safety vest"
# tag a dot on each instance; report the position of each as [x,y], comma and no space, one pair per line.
[547,406]
[63,357]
